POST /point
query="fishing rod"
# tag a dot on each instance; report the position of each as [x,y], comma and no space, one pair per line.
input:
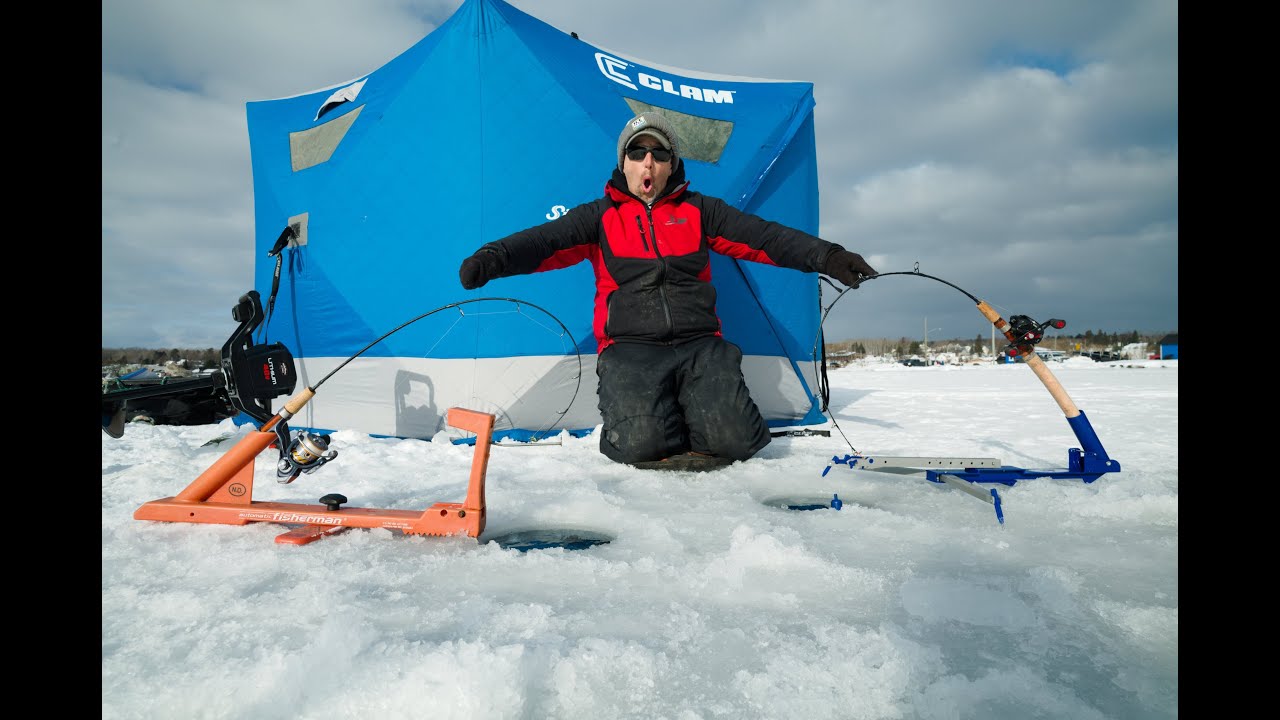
[223,493]
[1023,333]
[308,451]
[252,374]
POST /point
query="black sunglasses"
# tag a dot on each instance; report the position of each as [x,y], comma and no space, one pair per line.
[638,152]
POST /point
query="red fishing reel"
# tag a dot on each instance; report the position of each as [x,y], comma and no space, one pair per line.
[1027,333]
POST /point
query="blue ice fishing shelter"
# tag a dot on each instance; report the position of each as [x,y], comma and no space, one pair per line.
[368,195]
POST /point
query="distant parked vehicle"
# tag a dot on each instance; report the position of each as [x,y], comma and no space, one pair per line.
[914,362]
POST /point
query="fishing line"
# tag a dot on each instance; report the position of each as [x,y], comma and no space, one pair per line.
[820,366]
[519,304]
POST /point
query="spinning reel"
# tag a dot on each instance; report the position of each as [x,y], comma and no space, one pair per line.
[306,454]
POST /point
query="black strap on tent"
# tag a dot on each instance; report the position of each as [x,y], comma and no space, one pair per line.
[289,234]
[824,386]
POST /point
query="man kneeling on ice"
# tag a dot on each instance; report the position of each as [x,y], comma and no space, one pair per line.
[672,393]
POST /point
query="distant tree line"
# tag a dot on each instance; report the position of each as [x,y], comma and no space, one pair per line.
[1088,341]
[196,359]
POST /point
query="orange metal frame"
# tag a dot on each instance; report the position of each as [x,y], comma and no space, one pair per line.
[223,495]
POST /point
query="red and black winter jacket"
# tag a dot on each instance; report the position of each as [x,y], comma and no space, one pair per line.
[652,264]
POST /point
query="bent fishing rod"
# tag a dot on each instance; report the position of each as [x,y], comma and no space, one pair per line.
[1023,334]
[308,451]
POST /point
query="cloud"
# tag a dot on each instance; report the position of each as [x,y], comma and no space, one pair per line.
[1022,152]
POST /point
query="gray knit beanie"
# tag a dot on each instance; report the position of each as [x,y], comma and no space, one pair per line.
[655,125]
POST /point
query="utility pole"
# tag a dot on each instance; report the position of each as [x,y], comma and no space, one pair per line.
[926,337]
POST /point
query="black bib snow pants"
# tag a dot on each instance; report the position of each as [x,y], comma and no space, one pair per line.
[662,400]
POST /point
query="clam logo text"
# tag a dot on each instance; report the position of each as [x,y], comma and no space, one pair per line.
[616,70]
[557,211]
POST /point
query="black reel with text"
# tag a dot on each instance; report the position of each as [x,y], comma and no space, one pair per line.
[249,377]
[258,373]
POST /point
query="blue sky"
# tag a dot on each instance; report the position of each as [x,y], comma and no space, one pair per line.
[1027,153]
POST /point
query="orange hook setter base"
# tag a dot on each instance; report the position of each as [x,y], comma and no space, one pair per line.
[223,495]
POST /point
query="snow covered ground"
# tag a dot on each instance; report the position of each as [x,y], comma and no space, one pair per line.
[712,600]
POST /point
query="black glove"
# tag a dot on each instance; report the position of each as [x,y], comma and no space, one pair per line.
[849,268]
[480,268]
